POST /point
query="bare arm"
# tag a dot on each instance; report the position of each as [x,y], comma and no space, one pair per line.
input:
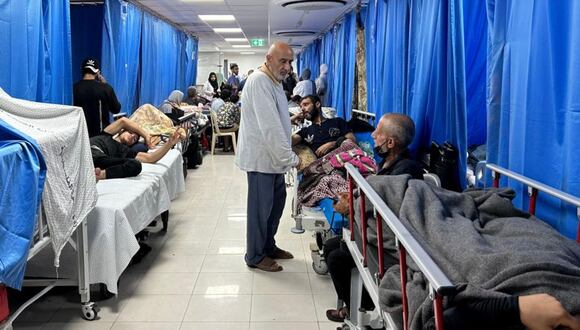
[351,137]
[544,312]
[128,125]
[296,139]
[156,155]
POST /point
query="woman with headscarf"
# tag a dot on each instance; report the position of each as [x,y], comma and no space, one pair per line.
[306,86]
[210,88]
[172,102]
[321,85]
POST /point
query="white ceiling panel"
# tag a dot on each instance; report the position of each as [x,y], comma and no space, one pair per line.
[252,16]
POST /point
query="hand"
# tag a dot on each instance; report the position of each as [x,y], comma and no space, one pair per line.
[544,312]
[342,206]
[324,149]
[174,138]
[101,78]
[148,141]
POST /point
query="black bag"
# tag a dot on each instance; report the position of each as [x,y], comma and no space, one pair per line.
[194,152]
[444,161]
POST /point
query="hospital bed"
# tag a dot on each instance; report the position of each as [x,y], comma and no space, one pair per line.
[370,262]
[322,220]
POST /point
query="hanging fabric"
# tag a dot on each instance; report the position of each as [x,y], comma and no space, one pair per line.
[533,99]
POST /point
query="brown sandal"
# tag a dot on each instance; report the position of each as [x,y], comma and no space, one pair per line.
[268,265]
[337,315]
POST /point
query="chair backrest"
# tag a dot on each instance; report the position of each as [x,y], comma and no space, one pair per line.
[214,123]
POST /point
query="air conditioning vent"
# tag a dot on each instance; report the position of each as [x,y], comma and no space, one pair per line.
[294,33]
[312,4]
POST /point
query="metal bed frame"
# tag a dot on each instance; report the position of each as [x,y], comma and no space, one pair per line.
[41,240]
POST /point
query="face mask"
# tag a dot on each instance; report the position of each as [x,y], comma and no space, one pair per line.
[378,151]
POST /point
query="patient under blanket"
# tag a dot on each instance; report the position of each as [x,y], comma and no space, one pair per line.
[486,247]
[326,177]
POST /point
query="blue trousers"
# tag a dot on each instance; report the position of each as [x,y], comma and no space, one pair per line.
[266,200]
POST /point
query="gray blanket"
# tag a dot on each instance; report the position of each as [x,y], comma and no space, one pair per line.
[485,246]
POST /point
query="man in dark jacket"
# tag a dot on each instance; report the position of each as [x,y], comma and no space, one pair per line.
[95,96]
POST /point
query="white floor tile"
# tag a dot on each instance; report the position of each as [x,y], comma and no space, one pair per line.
[321,284]
[185,248]
[167,283]
[328,325]
[323,302]
[84,325]
[285,308]
[218,307]
[224,264]
[281,283]
[231,246]
[146,326]
[283,326]
[154,308]
[224,283]
[215,325]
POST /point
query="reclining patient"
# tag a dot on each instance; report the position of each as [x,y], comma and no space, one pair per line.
[323,135]
[112,155]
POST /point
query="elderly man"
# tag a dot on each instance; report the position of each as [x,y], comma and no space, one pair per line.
[324,135]
[265,154]
[112,155]
[392,137]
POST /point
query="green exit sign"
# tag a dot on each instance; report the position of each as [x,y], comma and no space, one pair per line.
[257,42]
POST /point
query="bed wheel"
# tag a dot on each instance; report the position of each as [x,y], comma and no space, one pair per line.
[90,311]
[320,268]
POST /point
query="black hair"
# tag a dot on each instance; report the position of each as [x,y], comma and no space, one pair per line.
[234,98]
[225,94]
[313,98]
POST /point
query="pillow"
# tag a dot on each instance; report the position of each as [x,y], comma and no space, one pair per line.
[305,154]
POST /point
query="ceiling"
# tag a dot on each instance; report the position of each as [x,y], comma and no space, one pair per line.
[256,18]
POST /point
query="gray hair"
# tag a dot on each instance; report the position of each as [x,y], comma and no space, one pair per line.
[399,126]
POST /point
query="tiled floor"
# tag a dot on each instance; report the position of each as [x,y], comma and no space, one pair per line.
[196,278]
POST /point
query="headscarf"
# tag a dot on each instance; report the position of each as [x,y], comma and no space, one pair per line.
[214,83]
[175,97]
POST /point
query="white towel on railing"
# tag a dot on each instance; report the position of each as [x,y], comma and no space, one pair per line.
[61,132]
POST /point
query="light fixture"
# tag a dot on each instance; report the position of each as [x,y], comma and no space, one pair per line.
[247,53]
[241,46]
[217,18]
[227,30]
[312,4]
[294,33]
[236,39]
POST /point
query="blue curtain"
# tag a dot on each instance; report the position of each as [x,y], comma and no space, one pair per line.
[416,66]
[160,67]
[121,39]
[309,59]
[36,50]
[327,52]
[86,31]
[534,104]
[191,51]
[475,70]
[343,66]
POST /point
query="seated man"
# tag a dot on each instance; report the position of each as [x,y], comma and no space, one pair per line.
[323,135]
[393,135]
[193,98]
[112,156]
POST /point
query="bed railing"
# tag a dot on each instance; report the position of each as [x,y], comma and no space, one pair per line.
[438,282]
[534,187]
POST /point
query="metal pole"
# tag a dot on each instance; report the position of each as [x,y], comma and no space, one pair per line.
[403,270]
[351,206]
[363,225]
[533,194]
[380,245]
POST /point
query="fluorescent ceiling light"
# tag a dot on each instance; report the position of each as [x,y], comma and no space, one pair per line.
[227,30]
[241,46]
[236,39]
[247,53]
[217,18]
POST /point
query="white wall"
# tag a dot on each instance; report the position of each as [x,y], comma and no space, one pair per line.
[213,62]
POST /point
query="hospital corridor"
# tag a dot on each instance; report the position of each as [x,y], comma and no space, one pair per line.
[289,164]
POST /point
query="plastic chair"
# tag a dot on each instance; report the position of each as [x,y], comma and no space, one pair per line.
[221,132]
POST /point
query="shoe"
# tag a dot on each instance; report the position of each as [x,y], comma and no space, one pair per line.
[268,265]
[281,254]
[337,315]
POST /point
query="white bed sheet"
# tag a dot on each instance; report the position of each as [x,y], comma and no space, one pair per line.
[114,221]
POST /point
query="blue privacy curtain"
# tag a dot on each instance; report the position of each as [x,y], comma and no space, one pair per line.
[86,31]
[326,53]
[191,51]
[160,48]
[534,98]
[475,70]
[35,50]
[121,37]
[416,66]
[343,63]
[309,59]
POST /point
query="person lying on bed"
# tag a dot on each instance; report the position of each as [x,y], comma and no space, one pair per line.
[112,155]
[393,135]
[323,135]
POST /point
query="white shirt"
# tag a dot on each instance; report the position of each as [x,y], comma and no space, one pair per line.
[304,88]
[208,90]
[265,142]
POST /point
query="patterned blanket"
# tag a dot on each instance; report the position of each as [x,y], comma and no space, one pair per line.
[155,122]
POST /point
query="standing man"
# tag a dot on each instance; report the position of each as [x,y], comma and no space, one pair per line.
[264,152]
[234,80]
[95,96]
